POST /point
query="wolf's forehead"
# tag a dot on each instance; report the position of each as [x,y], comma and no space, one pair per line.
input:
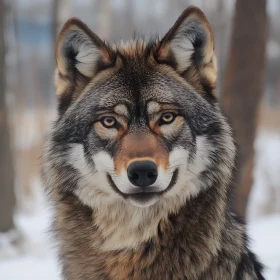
[125,104]
[150,95]
[136,83]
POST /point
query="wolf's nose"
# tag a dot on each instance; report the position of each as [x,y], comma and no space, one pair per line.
[142,173]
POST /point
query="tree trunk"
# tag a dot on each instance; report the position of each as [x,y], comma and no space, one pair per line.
[243,88]
[7,195]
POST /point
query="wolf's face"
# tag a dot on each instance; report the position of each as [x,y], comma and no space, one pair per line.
[139,140]
[139,123]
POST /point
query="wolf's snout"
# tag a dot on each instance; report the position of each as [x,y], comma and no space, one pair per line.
[142,173]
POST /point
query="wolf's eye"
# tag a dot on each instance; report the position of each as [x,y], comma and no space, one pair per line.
[167,118]
[108,122]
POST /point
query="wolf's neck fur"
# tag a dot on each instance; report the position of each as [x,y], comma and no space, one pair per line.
[125,226]
[195,231]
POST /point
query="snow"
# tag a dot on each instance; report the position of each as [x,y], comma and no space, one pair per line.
[265,194]
[29,268]
[265,236]
[36,257]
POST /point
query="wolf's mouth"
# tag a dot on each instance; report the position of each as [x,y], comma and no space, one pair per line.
[145,194]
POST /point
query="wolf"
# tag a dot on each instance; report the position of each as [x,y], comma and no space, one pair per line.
[139,164]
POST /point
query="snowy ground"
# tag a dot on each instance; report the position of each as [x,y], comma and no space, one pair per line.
[36,258]
[265,237]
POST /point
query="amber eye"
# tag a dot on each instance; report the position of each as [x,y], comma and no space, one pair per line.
[108,122]
[167,118]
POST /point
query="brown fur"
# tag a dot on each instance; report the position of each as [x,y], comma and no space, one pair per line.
[132,149]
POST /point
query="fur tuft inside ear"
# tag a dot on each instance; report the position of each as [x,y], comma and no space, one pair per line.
[81,52]
[189,42]
[78,48]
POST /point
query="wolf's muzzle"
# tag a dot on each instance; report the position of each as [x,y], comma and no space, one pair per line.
[142,173]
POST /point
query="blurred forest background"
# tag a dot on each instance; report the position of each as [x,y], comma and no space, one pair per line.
[247,44]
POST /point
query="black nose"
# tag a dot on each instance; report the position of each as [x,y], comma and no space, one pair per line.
[142,173]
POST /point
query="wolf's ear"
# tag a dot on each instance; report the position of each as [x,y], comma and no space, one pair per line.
[188,43]
[80,54]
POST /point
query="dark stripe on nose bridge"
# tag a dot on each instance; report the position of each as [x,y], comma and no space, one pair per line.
[140,111]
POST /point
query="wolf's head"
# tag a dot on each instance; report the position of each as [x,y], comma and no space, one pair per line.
[139,125]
